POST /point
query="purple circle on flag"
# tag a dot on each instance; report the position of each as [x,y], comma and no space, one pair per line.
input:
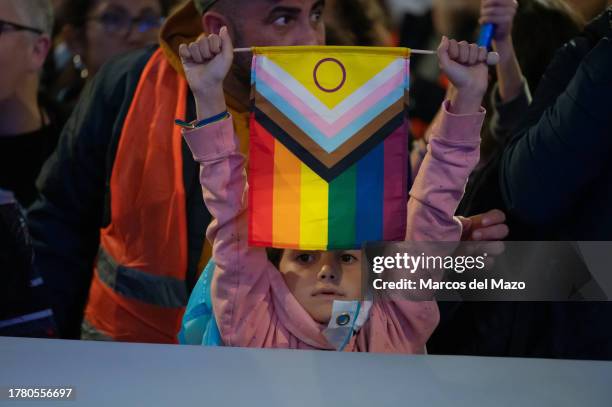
[314,74]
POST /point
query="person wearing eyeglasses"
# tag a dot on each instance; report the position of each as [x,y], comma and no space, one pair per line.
[27,132]
[90,33]
[98,30]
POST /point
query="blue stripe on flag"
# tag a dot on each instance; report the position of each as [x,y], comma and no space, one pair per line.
[370,195]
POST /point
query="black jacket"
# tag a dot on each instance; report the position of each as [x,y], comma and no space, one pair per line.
[24,304]
[74,201]
[555,178]
[556,173]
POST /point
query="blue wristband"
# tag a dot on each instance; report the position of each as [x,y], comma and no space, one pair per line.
[197,124]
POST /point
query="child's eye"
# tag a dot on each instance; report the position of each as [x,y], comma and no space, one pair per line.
[305,258]
[348,258]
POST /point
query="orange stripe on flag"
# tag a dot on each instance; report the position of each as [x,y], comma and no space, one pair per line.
[286,214]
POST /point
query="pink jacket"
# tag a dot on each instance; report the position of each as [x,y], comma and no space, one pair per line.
[253,306]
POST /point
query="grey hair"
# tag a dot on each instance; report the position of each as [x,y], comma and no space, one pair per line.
[36,13]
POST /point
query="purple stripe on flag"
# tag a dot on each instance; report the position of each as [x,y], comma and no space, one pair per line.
[396,189]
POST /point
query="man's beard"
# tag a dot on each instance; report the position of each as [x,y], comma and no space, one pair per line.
[241,68]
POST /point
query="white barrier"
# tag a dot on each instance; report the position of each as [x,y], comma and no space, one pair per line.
[120,374]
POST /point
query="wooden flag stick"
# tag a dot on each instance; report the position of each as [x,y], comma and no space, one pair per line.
[492,57]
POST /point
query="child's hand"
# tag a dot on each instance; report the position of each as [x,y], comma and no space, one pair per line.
[207,61]
[465,66]
[501,13]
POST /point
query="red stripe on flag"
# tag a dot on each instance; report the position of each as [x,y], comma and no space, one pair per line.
[261,185]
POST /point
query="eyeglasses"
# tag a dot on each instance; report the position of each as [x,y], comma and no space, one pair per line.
[17,27]
[121,24]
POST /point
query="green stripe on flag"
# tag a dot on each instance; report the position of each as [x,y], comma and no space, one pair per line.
[342,195]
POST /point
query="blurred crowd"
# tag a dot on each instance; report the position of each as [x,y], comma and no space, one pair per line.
[63,105]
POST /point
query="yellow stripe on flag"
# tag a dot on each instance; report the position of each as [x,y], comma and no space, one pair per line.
[286,197]
[314,208]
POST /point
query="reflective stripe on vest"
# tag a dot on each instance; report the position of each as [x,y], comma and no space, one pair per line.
[129,301]
[138,292]
[138,285]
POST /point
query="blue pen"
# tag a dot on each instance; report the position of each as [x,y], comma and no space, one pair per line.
[486,35]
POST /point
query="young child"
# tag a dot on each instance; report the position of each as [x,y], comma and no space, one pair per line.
[289,305]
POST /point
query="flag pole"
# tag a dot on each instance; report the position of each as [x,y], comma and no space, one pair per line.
[413,51]
[492,57]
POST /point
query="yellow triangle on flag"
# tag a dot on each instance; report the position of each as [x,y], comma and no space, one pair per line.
[332,79]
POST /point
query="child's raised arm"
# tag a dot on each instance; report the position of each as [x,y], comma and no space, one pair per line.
[453,149]
[240,286]
[452,153]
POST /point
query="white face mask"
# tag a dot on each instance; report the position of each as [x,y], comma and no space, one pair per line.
[347,318]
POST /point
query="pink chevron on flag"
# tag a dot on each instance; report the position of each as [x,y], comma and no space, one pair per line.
[332,129]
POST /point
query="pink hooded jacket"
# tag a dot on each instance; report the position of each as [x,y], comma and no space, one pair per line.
[253,306]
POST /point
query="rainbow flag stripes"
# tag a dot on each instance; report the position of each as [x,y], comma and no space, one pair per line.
[328,159]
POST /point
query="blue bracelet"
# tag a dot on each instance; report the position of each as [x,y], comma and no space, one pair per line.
[197,124]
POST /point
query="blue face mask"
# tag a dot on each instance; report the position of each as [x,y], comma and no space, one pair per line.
[346,319]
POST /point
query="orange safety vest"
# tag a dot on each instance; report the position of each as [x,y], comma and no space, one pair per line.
[138,291]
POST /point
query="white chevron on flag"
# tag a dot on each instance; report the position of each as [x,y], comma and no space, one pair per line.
[330,116]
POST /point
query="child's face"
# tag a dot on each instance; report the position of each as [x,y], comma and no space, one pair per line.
[317,278]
